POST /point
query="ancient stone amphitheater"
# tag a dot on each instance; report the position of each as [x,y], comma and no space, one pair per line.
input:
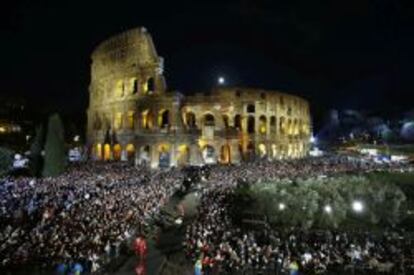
[132,117]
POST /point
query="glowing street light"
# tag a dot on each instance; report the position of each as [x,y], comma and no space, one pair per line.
[328,209]
[221,80]
[357,206]
[312,139]
[282,206]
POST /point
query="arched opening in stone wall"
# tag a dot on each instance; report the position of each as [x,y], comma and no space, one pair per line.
[262,125]
[289,126]
[273,125]
[107,152]
[183,156]
[147,119]
[226,121]
[251,125]
[98,151]
[150,86]
[145,154]
[117,151]
[164,118]
[225,154]
[190,120]
[130,150]
[209,154]
[251,108]
[238,122]
[282,125]
[274,151]
[164,155]
[134,85]
[262,150]
[209,120]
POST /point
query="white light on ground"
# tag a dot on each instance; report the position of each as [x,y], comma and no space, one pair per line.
[282,206]
[221,80]
[357,206]
[328,209]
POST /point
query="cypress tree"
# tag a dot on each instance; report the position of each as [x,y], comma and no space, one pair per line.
[55,157]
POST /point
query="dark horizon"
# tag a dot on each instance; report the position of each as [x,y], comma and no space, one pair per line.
[354,55]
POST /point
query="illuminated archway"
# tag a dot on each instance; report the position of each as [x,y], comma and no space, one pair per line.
[164,155]
[130,149]
[98,151]
[262,150]
[209,154]
[117,151]
[273,124]
[225,154]
[164,119]
[262,125]
[147,119]
[107,152]
[183,156]
[238,122]
[145,154]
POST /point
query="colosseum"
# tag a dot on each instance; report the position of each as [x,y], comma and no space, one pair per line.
[132,116]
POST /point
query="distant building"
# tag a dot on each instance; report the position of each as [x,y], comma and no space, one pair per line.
[131,116]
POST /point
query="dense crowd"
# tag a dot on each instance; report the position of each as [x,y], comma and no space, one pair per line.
[82,216]
[219,245]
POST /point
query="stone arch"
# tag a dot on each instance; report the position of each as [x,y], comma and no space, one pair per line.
[225,154]
[261,149]
[209,154]
[131,120]
[150,86]
[251,125]
[164,155]
[183,156]
[274,151]
[289,126]
[209,120]
[119,88]
[147,119]
[282,124]
[262,125]
[130,151]
[273,124]
[98,151]
[190,120]
[117,151]
[118,117]
[145,154]
[238,122]
[164,118]
[226,121]
[107,152]
[133,82]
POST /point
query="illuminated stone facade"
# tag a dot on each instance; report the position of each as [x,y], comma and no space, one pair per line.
[132,117]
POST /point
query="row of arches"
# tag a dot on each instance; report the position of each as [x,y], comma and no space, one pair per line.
[124,87]
[209,154]
[249,124]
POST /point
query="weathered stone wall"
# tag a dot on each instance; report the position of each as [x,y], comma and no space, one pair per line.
[131,116]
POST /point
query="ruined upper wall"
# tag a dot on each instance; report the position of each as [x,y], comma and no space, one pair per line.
[125,53]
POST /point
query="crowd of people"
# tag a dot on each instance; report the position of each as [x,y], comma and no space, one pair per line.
[80,218]
[220,246]
[83,217]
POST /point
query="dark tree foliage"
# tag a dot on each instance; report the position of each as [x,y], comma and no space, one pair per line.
[55,157]
[36,160]
[6,159]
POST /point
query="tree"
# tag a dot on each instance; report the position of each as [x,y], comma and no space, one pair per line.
[6,160]
[55,157]
[36,160]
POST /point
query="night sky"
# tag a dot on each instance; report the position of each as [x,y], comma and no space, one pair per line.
[338,54]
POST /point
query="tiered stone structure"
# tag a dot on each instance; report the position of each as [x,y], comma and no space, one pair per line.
[132,117]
